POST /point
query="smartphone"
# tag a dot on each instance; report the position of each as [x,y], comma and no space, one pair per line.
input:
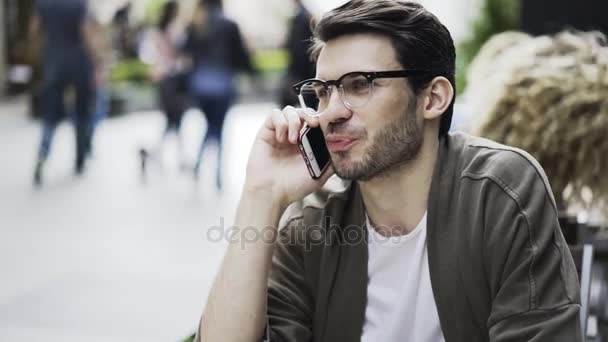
[314,150]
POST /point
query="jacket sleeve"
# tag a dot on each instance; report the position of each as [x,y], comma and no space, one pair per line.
[290,303]
[532,277]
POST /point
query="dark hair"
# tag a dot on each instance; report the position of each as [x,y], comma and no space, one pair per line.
[212,4]
[168,14]
[420,40]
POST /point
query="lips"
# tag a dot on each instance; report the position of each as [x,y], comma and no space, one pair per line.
[340,143]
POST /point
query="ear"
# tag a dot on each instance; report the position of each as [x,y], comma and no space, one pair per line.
[438,97]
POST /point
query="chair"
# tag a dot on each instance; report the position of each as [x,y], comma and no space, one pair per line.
[583,259]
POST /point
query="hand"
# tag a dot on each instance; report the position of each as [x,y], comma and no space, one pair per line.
[275,165]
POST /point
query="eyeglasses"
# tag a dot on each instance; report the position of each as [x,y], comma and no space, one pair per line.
[355,89]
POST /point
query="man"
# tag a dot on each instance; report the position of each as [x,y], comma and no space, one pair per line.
[429,236]
[68,61]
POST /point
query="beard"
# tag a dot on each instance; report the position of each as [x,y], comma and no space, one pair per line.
[394,146]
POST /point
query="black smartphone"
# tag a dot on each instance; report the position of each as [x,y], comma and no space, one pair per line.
[314,150]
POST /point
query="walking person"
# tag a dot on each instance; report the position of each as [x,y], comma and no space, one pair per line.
[171,79]
[218,53]
[300,66]
[101,104]
[68,62]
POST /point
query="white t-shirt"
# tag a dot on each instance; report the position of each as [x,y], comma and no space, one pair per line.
[400,302]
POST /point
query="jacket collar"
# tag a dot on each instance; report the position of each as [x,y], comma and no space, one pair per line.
[343,291]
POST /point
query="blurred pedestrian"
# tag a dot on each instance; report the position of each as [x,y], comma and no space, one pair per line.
[102,50]
[218,52]
[172,80]
[301,66]
[68,61]
[124,35]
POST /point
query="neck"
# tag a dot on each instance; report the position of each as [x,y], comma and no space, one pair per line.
[396,202]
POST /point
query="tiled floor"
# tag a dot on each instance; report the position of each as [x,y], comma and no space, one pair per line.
[107,257]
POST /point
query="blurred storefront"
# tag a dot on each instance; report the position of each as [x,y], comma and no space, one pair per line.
[16,50]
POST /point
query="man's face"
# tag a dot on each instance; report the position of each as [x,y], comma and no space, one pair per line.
[384,134]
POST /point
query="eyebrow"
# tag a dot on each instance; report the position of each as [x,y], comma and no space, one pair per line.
[368,68]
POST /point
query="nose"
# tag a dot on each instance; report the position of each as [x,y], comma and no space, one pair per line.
[336,110]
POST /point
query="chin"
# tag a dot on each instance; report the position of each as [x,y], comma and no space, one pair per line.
[343,160]
[347,168]
[352,164]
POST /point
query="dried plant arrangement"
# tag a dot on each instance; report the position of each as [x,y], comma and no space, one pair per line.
[549,96]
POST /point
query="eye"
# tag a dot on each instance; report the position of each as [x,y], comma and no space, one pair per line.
[356,85]
[321,92]
[359,84]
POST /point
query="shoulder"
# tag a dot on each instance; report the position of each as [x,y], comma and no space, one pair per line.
[514,170]
[311,210]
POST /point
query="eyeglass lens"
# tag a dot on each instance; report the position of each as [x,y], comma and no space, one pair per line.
[355,90]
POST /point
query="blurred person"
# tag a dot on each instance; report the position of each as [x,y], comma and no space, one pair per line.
[168,71]
[68,61]
[300,66]
[218,52]
[103,51]
[424,235]
[124,35]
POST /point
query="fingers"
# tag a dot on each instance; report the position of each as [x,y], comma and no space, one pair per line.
[294,122]
[280,125]
[287,123]
[312,121]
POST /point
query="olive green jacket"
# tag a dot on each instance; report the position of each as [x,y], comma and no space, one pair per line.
[499,265]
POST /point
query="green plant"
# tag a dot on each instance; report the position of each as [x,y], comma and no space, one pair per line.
[153,9]
[269,60]
[130,70]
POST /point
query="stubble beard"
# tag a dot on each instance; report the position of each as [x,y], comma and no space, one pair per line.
[393,148]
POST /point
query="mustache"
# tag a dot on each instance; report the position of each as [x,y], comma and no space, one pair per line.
[343,128]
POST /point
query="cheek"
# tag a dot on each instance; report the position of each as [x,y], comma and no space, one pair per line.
[391,103]
[370,129]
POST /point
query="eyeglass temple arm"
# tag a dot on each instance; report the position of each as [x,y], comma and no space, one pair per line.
[301,99]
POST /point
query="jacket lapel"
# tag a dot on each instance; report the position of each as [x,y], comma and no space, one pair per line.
[443,259]
[347,292]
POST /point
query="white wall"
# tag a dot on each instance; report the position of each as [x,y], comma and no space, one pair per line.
[457,15]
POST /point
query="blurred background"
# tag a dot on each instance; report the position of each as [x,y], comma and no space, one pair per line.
[124,146]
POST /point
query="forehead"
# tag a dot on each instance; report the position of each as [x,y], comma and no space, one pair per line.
[356,52]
